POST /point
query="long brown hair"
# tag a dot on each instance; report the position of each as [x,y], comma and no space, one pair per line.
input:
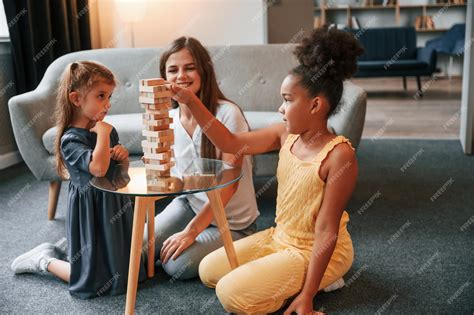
[209,91]
[78,76]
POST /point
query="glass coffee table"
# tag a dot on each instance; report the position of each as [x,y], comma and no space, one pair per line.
[188,176]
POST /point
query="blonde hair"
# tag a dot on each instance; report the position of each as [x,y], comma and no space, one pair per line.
[78,76]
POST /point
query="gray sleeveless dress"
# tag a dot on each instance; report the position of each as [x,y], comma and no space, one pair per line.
[99,224]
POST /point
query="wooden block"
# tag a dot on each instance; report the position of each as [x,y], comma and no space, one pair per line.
[159,182]
[154,101]
[160,156]
[163,144]
[152,174]
[159,111]
[149,89]
[156,128]
[164,114]
[169,138]
[155,88]
[155,161]
[152,108]
[152,81]
[157,134]
[156,145]
[157,94]
[158,122]
[152,150]
[162,184]
[160,167]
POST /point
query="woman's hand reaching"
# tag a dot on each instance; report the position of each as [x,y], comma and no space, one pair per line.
[182,95]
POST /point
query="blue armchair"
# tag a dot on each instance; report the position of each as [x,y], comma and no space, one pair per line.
[450,43]
[392,52]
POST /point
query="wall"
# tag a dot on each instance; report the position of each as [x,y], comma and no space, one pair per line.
[157,22]
[466,132]
[289,20]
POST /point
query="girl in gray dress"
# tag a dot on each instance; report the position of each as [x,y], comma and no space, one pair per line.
[99,224]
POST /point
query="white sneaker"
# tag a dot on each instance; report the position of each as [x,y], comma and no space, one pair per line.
[61,248]
[336,285]
[35,260]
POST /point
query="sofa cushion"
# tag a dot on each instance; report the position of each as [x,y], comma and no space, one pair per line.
[129,128]
[391,66]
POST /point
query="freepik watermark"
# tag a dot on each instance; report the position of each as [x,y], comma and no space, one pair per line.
[411,160]
[17,17]
[322,71]
[249,83]
[369,202]
[265,187]
[44,50]
[468,223]
[428,263]
[387,304]
[294,39]
[397,234]
[443,188]
[382,130]
[356,275]
[395,57]
[108,284]
[425,87]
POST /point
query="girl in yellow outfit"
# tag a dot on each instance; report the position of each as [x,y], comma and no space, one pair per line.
[310,247]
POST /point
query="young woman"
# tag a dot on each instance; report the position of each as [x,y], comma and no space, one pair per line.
[185,231]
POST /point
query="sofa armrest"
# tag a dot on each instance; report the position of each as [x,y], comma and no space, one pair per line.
[31,115]
[428,55]
[350,119]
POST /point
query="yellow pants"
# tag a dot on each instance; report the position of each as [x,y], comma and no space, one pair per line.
[270,272]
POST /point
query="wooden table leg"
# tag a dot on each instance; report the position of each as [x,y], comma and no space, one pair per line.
[221,220]
[135,253]
[144,208]
[151,236]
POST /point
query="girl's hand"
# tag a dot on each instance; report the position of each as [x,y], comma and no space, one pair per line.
[119,153]
[181,95]
[175,245]
[101,126]
[301,305]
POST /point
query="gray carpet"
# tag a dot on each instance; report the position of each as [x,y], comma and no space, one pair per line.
[413,233]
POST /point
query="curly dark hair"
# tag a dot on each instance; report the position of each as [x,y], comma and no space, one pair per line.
[327,57]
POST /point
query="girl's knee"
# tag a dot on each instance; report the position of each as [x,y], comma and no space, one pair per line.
[235,298]
[228,297]
[207,271]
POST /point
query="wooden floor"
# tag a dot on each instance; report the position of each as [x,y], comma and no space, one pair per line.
[393,113]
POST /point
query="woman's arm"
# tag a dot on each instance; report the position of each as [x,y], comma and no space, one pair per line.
[252,142]
[340,184]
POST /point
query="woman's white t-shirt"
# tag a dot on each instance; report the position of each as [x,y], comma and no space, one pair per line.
[241,210]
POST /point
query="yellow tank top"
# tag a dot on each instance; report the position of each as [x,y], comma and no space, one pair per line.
[300,194]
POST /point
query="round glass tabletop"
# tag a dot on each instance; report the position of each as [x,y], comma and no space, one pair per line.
[187,176]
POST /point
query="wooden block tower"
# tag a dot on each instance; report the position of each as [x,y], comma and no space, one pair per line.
[155,97]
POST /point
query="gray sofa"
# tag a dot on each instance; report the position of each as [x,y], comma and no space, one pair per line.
[249,75]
